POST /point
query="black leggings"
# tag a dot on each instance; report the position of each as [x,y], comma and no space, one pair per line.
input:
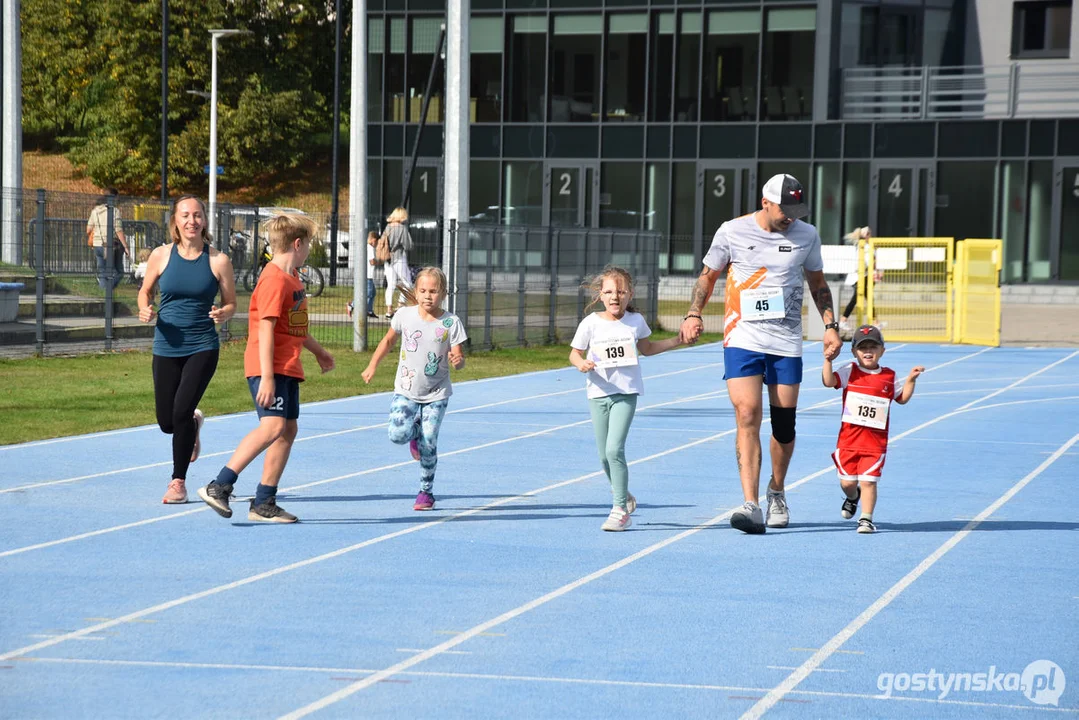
[853,301]
[179,383]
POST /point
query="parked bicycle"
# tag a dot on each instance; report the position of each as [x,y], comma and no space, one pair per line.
[310,276]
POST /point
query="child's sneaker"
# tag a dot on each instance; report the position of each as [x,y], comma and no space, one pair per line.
[631,503]
[217,497]
[778,513]
[414,448]
[269,511]
[199,420]
[617,521]
[866,526]
[176,494]
[850,506]
[424,501]
[749,519]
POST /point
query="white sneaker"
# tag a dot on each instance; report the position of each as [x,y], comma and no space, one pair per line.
[778,512]
[199,420]
[617,521]
[749,519]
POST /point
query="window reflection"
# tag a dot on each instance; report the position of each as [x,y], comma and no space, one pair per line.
[485,69]
[787,72]
[729,72]
[528,60]
[627,58]
[425,32]
[620,195]
[661,67]
[376,46]
[395,72]
[575,63]
[689,49]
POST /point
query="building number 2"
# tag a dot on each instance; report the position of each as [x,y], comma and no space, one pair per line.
[896,187]
[721,185]
[567,181]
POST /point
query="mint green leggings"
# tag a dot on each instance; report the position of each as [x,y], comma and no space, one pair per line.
[611,418]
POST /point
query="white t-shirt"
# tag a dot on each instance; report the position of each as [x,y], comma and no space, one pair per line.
[423,370]
[594,335]
[764,283]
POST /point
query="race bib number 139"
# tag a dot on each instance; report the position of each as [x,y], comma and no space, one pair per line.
[615,352]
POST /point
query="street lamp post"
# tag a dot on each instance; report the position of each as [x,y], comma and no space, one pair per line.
[214,35]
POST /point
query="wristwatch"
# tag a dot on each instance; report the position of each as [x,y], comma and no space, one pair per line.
[832,326]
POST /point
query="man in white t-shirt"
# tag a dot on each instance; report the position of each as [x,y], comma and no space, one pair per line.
[765,255]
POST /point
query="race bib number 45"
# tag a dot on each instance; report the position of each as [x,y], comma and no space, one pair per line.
[763,304]
[614,352]
[866,410]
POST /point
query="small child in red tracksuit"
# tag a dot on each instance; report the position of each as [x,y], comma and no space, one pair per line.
[868,391]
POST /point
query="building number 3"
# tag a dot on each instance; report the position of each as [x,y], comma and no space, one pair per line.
[1075,189]
[721,185]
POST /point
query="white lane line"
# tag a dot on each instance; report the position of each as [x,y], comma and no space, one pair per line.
[360,473]
[319,436]
[149,521]
[416,650]
[162,607]
[548,679]
[791,667]
[794,679]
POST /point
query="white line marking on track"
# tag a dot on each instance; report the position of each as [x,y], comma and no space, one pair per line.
[532,679]
[416,650]
[369,471]
[330,555]
[791,667]
[320,436]
[800,674]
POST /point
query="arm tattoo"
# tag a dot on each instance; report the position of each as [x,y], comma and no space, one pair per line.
[700,293]
[822,296]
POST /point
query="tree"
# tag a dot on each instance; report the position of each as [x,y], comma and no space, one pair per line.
[94,85]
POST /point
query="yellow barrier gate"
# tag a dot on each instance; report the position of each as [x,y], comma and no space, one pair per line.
[977,292]
[907,284]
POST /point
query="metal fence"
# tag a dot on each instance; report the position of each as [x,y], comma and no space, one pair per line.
[510,285]
[970,91]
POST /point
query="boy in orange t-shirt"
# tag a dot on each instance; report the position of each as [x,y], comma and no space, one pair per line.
[277,331]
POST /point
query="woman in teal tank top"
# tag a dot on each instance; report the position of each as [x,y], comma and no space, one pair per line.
[190,273]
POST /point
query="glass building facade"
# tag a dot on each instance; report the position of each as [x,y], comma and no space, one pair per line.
[668,116]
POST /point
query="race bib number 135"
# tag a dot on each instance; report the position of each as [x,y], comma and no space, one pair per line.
[866,410]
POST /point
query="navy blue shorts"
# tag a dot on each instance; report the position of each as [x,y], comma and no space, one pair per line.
[776,369]
[286,402]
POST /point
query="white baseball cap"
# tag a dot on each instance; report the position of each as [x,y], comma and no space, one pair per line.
[785,191]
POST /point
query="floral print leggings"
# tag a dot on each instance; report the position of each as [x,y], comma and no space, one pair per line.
[411,420]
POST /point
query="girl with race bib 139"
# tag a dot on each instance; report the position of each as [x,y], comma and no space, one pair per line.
[606,347]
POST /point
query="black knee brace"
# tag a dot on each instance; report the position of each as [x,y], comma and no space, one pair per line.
[783,423]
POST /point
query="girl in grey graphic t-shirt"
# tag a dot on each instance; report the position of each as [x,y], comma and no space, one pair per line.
[431,343]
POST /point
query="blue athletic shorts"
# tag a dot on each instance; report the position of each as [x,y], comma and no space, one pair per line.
[776,369]
[286,402]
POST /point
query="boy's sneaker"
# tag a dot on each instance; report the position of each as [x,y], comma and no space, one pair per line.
[424,501]
[866,526]
[414,448]
[778,512]
[850,506]
[176,494]
[389,316]
[199,420]
[749,519]
[269,511]
[617,521]
[217,497]
[631,503]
